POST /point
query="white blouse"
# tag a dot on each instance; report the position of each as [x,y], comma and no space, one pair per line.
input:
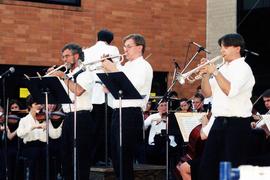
[27,133]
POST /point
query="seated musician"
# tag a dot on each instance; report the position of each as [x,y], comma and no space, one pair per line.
[12,139]
[185,105]
[2,128]
[189,169]
[197,103]
[156,148]
[33,133]
[260,154]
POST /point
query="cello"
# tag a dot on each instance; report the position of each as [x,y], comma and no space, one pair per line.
[195,146]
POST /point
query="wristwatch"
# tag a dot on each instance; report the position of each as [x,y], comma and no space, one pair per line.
[215,73]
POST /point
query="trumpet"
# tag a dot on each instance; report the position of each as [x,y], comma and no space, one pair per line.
[181,78]
[66,66]
[88,65]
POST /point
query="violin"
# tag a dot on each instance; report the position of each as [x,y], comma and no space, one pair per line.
[40,117]
[53,116]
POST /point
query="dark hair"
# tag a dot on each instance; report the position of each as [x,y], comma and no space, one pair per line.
[199,95]
[173,93]
[14,101]
[138,39]
[266,93]
[232,40]
[75,49]
[29,101]
[105,35]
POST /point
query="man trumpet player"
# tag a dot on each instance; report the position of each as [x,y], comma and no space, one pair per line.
[140,73]
[82,89]
[231,89]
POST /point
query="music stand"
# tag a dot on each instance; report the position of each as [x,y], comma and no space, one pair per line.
[121,88]
[47,90]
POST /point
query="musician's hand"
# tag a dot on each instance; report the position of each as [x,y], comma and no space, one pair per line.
[105,90]
[109,66]
[59,74]
[253,125]
[204,69]
[2,128]
[257,117]
[39,126]
[204,120]
[50,69]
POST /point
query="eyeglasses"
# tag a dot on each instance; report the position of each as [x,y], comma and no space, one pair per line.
[129,46]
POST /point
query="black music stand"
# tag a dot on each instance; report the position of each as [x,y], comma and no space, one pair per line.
[47,90]
[121,88]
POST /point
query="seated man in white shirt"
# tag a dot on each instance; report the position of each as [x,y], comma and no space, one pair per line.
[156,149]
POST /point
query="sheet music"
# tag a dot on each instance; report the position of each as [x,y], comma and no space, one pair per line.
[187,122]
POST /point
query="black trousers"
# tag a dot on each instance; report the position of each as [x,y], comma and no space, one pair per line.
[35,163]
[84,145]
[228,140]
[132,124]
[99,116]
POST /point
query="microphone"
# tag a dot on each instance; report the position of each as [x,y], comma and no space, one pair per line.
[176,64]
[201,48]
[251,52]
[8,72]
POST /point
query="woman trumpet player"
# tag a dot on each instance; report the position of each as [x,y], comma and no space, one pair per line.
[33,133]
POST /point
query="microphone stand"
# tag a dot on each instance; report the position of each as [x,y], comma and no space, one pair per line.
[75,131]
[167,98]
[193,57]
[5,126]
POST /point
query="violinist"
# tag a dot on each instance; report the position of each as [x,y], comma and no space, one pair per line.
[13,143]
[33,133]
[261,157]
[2,128]
[185,105]
[156,148]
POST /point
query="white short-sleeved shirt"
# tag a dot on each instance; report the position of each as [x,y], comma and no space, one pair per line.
[238,102]
[86,81]
[140,73]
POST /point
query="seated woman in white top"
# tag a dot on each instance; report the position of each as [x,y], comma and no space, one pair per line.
[33,133]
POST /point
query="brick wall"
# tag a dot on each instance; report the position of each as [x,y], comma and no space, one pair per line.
[34,33]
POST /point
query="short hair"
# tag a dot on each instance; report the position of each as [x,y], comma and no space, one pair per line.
[200,96]
[234,39]
[266,93]
[105,35]
[75,49]
[29,101]
[138,39]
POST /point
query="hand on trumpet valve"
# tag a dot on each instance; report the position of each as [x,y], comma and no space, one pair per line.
[109,66]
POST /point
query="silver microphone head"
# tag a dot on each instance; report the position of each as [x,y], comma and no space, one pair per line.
[12,69]
[180,78]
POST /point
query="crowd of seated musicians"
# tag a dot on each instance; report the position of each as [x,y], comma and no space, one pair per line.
[153,151]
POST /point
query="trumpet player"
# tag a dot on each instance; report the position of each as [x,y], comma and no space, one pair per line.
[231,89]
[140,73]
[100,48]
[71,54]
